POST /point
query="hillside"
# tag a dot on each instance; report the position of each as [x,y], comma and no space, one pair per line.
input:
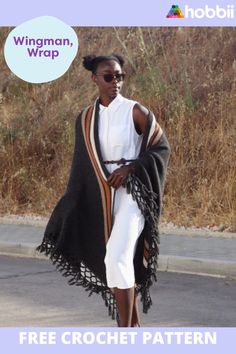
[186,76]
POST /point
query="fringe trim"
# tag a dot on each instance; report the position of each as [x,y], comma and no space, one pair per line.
[147,203]
[80,275]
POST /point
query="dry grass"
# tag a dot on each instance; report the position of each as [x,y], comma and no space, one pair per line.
[186,76]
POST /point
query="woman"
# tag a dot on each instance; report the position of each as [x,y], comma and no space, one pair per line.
[103,233]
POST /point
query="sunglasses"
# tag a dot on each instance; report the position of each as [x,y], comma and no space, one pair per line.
[110,77]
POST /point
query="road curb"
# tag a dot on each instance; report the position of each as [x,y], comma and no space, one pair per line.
[166,263]
[19,250]
[197,266]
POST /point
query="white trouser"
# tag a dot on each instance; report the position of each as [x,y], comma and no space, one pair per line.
[120,249]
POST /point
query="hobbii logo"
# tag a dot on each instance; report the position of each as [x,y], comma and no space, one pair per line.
[209,12]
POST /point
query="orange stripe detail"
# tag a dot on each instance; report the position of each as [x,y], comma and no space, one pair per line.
[154,135]
[104,183]
[104,188]
[145,254]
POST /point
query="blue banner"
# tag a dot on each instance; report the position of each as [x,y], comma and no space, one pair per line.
[113,340]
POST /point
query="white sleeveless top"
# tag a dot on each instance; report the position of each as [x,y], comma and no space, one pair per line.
[117,135]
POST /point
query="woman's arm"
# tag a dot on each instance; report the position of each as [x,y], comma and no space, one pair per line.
[140,116]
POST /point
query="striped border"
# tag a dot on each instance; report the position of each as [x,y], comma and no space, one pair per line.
[155,133]
[145,253]
[107,193]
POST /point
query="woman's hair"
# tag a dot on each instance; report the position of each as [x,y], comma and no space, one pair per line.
[91,62]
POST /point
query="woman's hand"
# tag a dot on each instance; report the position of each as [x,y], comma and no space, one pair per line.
[119,176]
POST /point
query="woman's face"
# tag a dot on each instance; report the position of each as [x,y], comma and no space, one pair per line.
[112,88]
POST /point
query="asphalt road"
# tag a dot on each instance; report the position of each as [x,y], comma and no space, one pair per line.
[34,294]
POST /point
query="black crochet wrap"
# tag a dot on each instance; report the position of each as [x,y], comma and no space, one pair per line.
[74,236]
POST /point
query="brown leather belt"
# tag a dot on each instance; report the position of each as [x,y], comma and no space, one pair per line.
[118,162]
